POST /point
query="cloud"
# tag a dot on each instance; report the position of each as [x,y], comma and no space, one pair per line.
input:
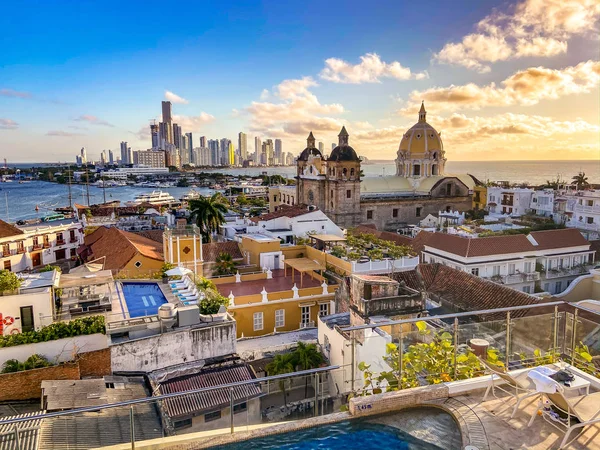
[370,70]
[13,93]
[62,133]
[293,112]
[93,120]
[192,123]
[531,28]
[526,87]
[8,124]
[174,98]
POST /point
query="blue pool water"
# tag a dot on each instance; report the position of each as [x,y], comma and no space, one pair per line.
[338,436]
[142,299]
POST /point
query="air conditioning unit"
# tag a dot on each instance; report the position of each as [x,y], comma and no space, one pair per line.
[188,315]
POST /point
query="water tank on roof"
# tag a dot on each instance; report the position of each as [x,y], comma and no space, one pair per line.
[167,314]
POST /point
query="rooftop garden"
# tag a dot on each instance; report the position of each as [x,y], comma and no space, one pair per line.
[365,247]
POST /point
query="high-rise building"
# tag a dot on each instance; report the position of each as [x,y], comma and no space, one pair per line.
[321,147]
[129,155]
[278,154]
[154,136]
[124,159]
[231,154]
[150,158]
[257,150]
[164,131]
[83,154]
[215,158]
[189,148]
[103,157]
[289,159]
[184,155]
[224,152]
[268,152]
[177,136]
[167,122]
[167,111]
[111,157]
[243,146]
[203,141]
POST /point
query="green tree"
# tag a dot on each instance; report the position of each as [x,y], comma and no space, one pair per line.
[9,281]
[282,364]
[242,200]
[581,181]
[224,264]
[208,213]
[307,357]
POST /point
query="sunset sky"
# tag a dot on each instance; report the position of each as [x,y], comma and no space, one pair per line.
[501,81]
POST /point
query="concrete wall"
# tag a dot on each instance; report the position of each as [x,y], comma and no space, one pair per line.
[586,287]
[174,347]
[59,350]
[249,417]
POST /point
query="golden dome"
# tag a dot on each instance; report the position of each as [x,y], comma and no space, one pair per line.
[421,138]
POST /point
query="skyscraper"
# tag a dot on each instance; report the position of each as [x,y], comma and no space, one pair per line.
[167,120]
[213,145]
[224,152]
[203,141]
[154,136]
[190,146]
[111,157]
[321,147]
[231,154]
[167,112]
[278,155]
[83,155]
[129,155]
[177,136]
[267,152]
[257,150]
[103,157]
[183,153]
[124,159]
[243,146]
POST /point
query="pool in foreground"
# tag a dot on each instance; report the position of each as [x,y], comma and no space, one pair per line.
[353,434]
[143,299]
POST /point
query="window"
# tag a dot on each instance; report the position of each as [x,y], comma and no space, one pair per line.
[20,247]
[185,423]
[331,193]
[370,214]
[7,265]
[419,211]
[512,269]
[395,212]
[589,219]
[209,417]
[495,270]
[528,266]
[449,189]
[323,309]
[27,319]
[59,238]
[416,170]
[304,315]
[475,271]
[6,249]
[344,172]
[280,318]
[590,203]
[546,287]
[257,319]
[527,289]
[240,408]
[558,289]
[138,264]
[348,193]
[351,172]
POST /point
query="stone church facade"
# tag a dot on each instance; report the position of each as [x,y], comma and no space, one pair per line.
[420,186]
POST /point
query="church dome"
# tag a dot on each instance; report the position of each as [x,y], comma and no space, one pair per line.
[309,151]
[421,138]
[343,152]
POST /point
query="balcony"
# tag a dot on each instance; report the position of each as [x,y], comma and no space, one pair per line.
[309,324]
[20,250]
[514,278]
[61,242]
[37,246]
[587,209]
[507,202]
[567,271]
[73,240]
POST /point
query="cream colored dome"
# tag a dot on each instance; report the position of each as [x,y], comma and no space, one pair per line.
[421,139]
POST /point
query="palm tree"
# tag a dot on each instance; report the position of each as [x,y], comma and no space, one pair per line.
[224,264]
[280,365]
[208,213]
[581,181]
[307,357]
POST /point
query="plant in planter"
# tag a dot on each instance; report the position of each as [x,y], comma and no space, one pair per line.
[353,256]
[338,251]
[375,254]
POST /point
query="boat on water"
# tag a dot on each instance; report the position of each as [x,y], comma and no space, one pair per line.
[154,198]
[192,194]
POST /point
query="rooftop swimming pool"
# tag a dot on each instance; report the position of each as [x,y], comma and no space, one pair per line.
[143,299]
[354,434]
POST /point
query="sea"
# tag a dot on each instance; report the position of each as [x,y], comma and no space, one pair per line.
[19,201]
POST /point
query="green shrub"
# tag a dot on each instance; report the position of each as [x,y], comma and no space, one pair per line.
[9,281]
[58,330]
[50,268]
[35,361]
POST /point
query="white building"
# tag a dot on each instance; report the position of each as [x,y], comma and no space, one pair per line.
[550,258]
[509,201]
[542,202]
[123,172]
[30,246]
[580,209]
[285,224]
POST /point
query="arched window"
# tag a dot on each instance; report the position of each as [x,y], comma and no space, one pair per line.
[434,169]
[434,155]
[417,169]
[345,172]
[352,172]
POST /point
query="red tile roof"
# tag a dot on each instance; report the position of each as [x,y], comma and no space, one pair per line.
[8,230]
[466,292]
[119,247]
[212,250]
[550,239]
[190,405]
[284,211]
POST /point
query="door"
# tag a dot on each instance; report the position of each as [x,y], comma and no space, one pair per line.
[60,254]
[36,259]
[27,319]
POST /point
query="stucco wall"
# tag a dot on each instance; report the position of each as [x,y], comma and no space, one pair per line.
[56,351]
[10,309]
[174,347]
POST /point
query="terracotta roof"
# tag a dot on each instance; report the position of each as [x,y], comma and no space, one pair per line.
[119,247]
[212,250]
[500,245]
[153,235]
[190,405]
[8,230]
[466,292]
[284,211]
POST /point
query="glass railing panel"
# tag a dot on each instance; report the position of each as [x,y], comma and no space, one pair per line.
[586,344]
[533,341]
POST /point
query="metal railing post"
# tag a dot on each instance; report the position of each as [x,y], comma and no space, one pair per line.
[231,408]
[17,440]
[455,345]
[400,357]
[507,338]
[316,410]
[132,427]
[353,359]
[555,340]
[574,336]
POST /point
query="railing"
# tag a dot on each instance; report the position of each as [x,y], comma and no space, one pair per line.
[565,272]
[514,278]
[586,209]
[37,246]
[386,265]
[309,324]
[60,242]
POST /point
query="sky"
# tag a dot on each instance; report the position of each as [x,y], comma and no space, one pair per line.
[500,80]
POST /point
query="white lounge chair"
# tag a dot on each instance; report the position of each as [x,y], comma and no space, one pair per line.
[519,385]
[183,283]
[584,408]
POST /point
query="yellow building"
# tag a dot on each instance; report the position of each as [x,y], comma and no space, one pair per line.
[182,246]
[479,197]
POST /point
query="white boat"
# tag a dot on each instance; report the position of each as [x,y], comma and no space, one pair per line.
[154,198]
[192,194]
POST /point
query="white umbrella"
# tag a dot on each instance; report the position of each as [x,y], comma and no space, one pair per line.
[178,272]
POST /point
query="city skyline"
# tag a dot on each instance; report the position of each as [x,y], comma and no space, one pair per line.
[506,82]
